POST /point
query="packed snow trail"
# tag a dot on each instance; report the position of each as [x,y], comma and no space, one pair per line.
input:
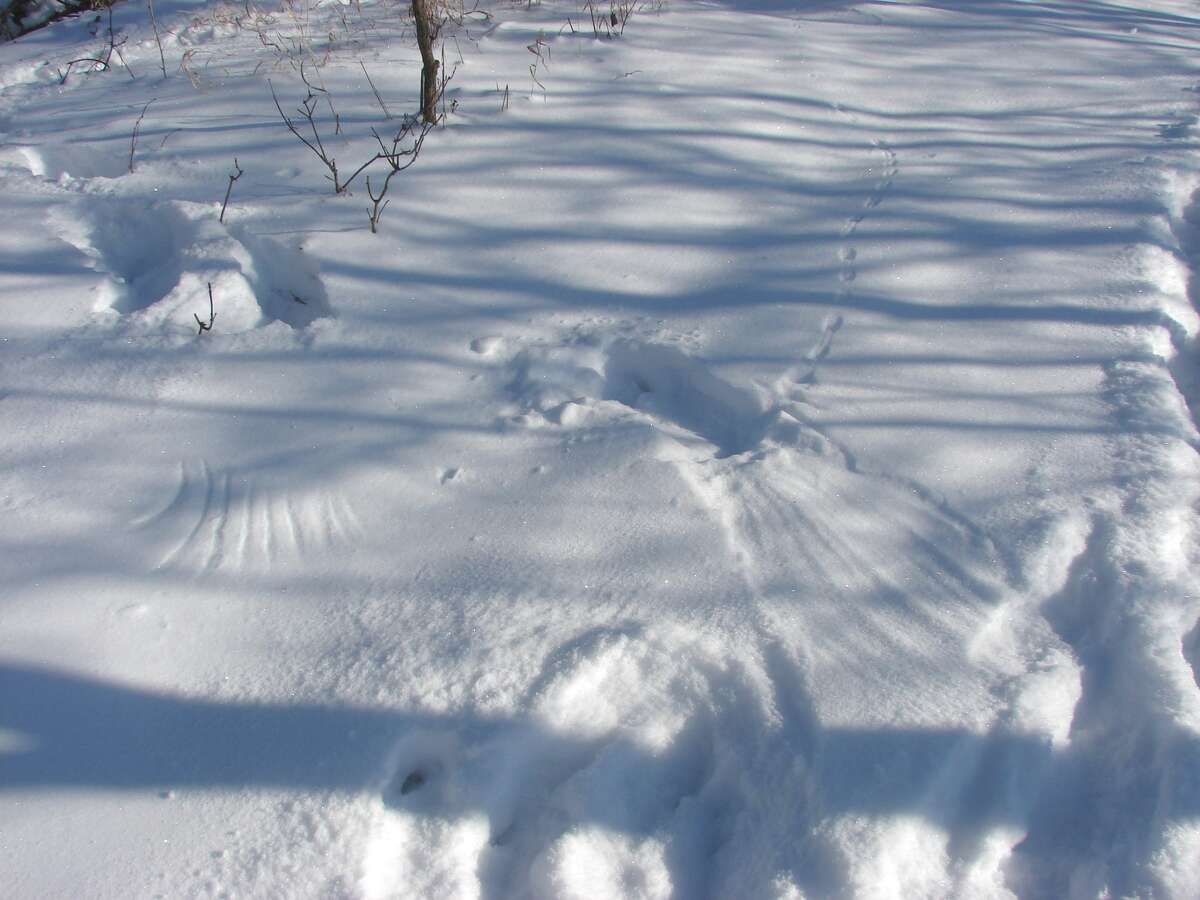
[754,458]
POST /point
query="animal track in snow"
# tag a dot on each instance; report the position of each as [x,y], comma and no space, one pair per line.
[216,520]
[616,758]
[487,345]
[638,739]
[848,254]
[789,385]
[879,191]
[578,382]
[800,518]
[159,257]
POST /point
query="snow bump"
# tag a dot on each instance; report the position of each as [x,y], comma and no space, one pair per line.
[159,259]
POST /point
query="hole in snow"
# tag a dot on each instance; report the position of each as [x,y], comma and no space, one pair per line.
[411,782]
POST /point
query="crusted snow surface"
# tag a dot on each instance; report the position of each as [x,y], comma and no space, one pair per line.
[755,457]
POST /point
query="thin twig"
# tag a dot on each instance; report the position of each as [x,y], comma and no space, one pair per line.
[103,63]
[114,47]
[184,66]
[398,159]
[112,37]
[137,127]
[212,314]
[537,48]
[397,156]
[121,56]
[63,73]
[158,40]
[229,190]
[308,84]
[306,109]
[375,91]
[337,120]
[378,204]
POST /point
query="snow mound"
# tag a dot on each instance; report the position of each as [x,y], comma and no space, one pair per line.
[596,379]
[161,258]
[673,387]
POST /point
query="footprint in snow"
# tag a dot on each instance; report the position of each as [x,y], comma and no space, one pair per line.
[488,345]
[407,781]
[636,751]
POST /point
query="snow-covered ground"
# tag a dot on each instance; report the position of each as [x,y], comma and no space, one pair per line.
[753,458]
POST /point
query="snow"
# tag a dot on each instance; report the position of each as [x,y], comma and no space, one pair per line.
[756,456]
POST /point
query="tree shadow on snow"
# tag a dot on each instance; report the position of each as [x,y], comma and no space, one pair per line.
[67,731]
